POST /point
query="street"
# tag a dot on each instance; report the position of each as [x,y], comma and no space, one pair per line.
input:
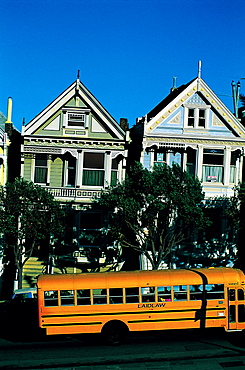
[178,350]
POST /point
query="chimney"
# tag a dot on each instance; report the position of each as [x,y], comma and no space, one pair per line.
[174,84]
[9,123]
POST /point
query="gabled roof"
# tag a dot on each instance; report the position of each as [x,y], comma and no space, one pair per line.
[76,89]
[173,94]
[196,88]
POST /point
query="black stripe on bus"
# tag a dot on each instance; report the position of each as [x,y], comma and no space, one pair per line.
[135,321]
[132,313]
[74,324]
[180,319]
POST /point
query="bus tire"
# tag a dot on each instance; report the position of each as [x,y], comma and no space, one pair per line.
[115,332]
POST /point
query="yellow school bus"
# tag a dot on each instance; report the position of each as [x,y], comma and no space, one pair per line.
[114,303]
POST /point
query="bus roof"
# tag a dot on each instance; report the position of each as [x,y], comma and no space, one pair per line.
[220,275]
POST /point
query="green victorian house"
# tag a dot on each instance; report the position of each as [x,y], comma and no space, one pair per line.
[74,148]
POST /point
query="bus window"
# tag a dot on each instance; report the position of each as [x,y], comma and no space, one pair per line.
[180,293]
[240,295]
[67,297]
[232,313]
[83,297]
[164,293]
[241,313]
[214,291]
[132,295]
[116,295]
[99,296]
[232,296]
[148,294]
[51,298]
[195,293]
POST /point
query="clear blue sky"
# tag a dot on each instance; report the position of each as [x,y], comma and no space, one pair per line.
[127,51]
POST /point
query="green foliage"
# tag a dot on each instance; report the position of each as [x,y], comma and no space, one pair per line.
[155,210]
[28,214]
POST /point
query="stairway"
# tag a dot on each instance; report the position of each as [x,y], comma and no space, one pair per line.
[34,267]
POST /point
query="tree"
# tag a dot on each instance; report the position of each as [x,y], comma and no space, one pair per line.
[28,214]
[236,214]
[154,210]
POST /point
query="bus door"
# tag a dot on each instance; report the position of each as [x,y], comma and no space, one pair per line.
[236,308]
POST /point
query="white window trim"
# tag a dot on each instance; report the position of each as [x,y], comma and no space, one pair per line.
[196,108]
[79,112]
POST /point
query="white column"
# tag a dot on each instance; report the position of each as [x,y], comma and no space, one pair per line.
[227,163]
[107,165]
[49,159]
[151,153]
[199,162]
[33,168]
[184,161]
[196,117]
[79,168]
[239,167]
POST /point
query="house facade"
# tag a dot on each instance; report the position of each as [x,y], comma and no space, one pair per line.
[74,148]
[193,128]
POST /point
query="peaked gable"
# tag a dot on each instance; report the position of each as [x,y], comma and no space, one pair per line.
[76,113]
[170,116]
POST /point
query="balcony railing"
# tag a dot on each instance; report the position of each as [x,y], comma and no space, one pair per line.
[73,193]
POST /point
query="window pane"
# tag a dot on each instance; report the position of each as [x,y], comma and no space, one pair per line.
[213,159]
[93,160]
[75,119]
[191,118]
[164,293]
[41,160]
[232,313]
[93,178]
[67,297]
[148,294]
[201,121]
[113,178]
[83,297]
[50,298]
[240,295]
[160,157]
[114,164]
[40,175]
[195,292]
[71,171]
[212,173]
[180,292]
[132,295]
[99,296]
[116,295]
[214,291]
[232,295]
[241,313]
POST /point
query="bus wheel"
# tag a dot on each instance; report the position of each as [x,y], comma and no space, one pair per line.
[115,332]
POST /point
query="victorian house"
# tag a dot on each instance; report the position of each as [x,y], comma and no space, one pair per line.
[74,148]
[192,127]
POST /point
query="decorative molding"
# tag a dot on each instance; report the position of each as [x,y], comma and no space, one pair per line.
[42,150]
[175,119]
[47,145]
[217,121]
[175,141]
